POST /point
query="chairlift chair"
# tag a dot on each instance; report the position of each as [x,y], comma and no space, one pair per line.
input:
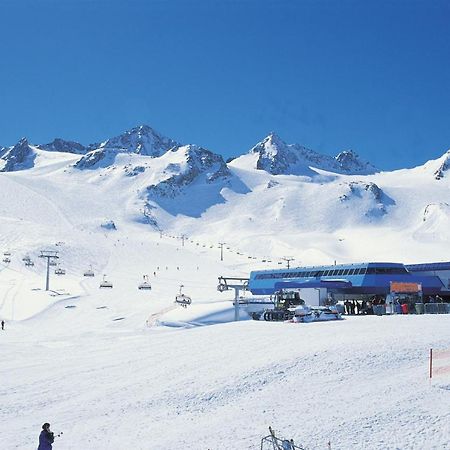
[89,273]
[7,253]
[52,263]
[26,258]
[183,299]
[6,260]
[60,271]
[29,263]
[105,283]
[145,285]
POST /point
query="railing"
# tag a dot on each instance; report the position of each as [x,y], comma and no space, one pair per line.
[437,308]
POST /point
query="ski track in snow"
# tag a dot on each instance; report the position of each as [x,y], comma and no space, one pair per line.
[113,384]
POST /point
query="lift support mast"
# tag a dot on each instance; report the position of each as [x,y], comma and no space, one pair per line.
[238,284]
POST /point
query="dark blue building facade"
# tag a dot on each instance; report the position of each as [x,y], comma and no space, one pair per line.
[366,278]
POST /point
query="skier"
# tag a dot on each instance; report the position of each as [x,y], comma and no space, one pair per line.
[3,324]
[46,438]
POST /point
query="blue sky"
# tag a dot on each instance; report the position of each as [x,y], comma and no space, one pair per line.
[331,75]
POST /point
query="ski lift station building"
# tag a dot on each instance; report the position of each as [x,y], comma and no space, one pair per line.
[316,283]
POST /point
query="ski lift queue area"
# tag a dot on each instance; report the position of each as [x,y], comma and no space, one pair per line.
[388,285]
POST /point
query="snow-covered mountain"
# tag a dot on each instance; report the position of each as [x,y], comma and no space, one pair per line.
[19,157]
[276,157]
[123,218]
[61,145]
[284,190]
[141,140]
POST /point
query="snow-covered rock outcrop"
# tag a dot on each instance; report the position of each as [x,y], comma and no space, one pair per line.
[277,157]
[141,140]
[196,162]
[350,163]
[443,167]
[434,223]
[368,195]
[193,180]
[19,157]
[61,145]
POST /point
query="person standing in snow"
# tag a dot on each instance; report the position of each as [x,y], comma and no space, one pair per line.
[46,438]
[3,324]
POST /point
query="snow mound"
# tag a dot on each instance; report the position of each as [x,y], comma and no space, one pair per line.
[435,223]
[200,315]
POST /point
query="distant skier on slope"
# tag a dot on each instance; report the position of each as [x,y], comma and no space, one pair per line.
[46,438]
[3,324]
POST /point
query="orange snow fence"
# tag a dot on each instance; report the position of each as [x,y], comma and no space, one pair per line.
[439,362]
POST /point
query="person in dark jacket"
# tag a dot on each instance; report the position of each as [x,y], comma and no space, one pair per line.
[46,438]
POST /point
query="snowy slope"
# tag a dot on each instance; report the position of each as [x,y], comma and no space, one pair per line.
[85,359]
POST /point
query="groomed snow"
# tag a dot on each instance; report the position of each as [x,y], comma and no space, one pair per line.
[126,369]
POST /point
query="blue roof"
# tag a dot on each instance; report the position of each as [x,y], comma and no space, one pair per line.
[425,267]
[330,284]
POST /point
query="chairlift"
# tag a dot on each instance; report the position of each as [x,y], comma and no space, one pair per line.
[145,285]
[183,299]
[105,283]
[60,271]
[6,260]
[52,263]
[26,258]
[29,263]
[89,273]
[7,253]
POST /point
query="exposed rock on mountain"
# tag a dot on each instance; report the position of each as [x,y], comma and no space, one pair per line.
[61,145]
[444,167]
[194,180]
[141,140]
[92,159]
[133,171]
[375,199]
[277,157]
[108,225]
[19,157]
[350,163]
[197,163]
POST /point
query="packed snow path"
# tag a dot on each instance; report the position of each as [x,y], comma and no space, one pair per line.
[361,383]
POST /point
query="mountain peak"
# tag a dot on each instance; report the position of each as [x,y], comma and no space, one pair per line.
[142,140]
[61,145]
[350,162]
[18,157]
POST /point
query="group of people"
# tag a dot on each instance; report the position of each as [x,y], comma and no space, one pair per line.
[353,307]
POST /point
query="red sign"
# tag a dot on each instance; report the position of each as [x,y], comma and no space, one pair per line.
[405,288]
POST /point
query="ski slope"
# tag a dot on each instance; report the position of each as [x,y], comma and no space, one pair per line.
[120,368]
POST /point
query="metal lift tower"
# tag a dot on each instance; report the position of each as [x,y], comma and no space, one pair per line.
[50,255]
